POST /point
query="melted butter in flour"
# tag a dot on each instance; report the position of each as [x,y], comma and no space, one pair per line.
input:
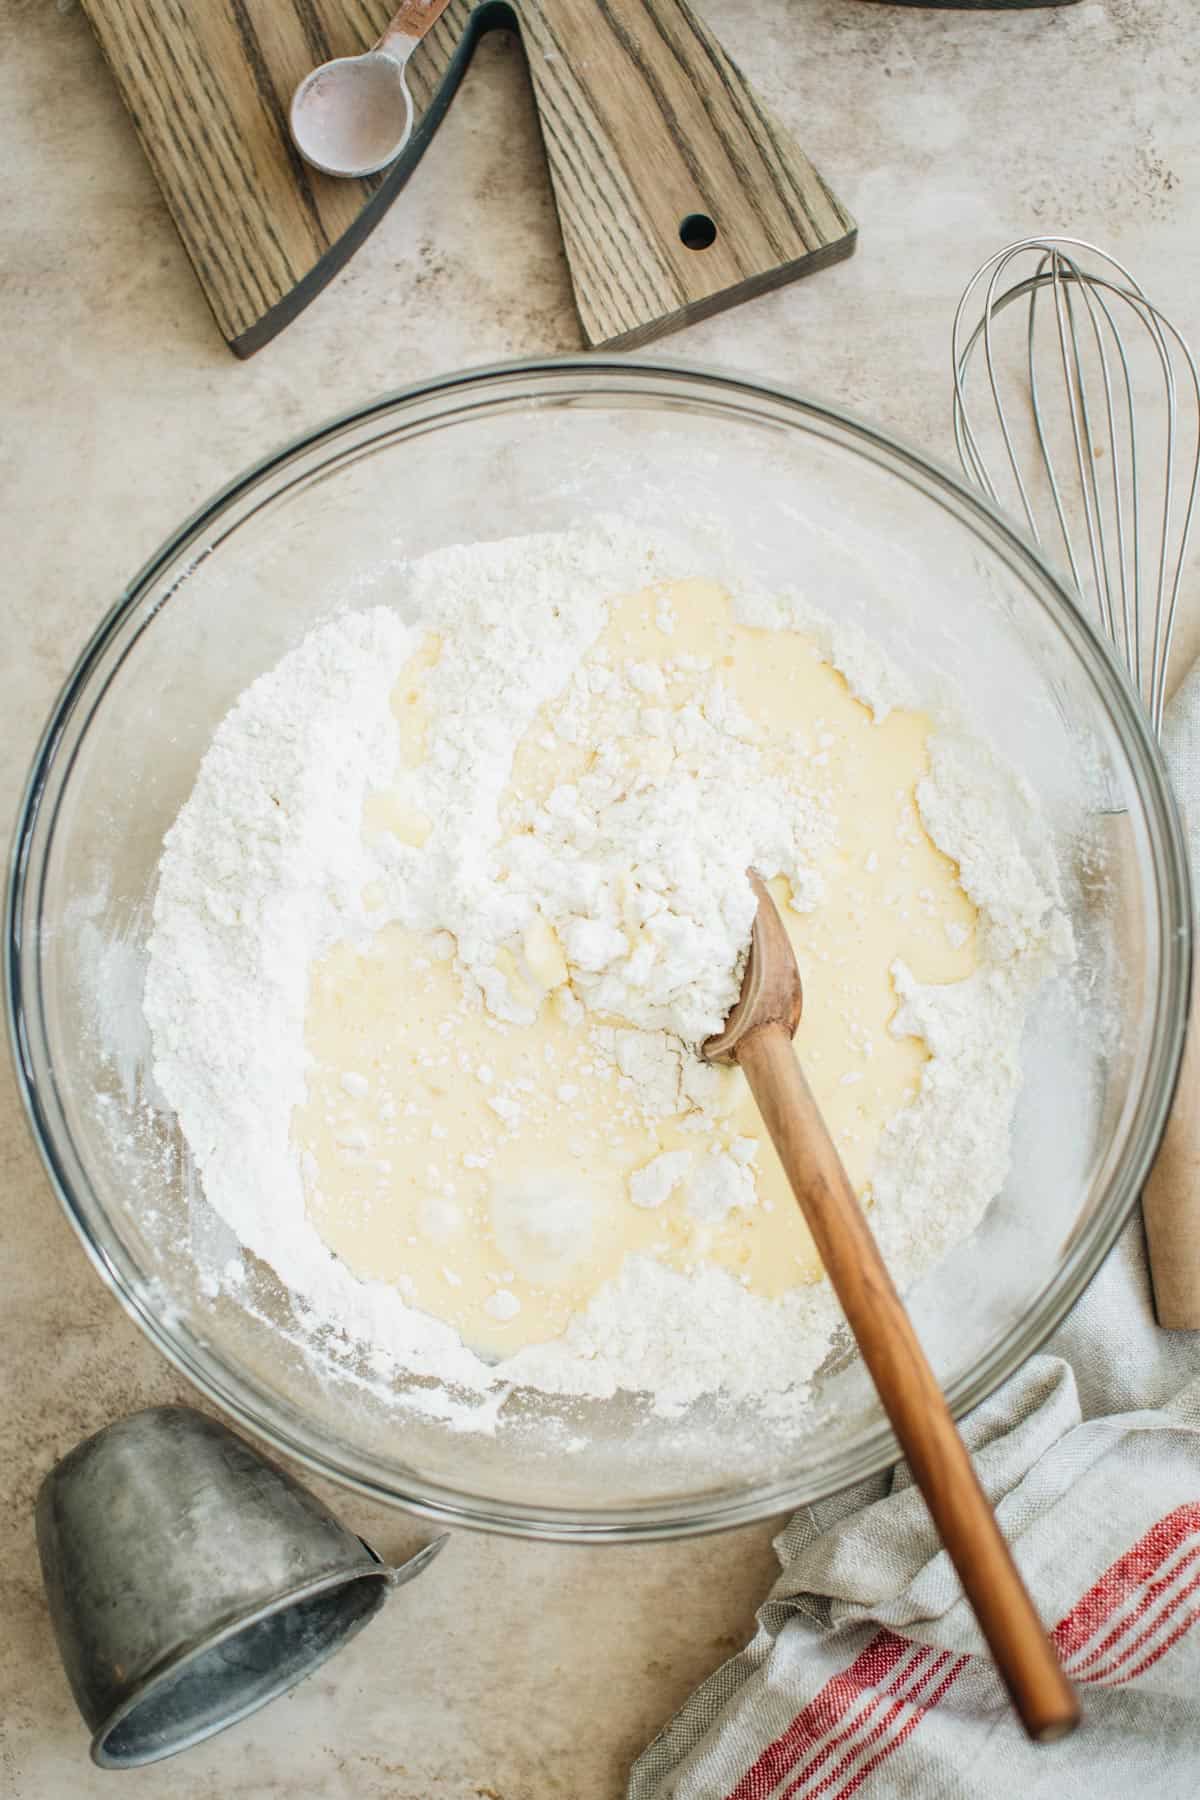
[497,1173]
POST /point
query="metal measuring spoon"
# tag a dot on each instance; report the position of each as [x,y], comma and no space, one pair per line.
[354,115]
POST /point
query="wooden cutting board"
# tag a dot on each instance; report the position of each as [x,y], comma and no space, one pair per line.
[654,142]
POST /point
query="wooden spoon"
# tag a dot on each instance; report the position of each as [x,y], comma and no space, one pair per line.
[758,1036]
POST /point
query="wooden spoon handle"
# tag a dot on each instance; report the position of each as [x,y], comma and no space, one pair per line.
[1171,1200]
[908,1387]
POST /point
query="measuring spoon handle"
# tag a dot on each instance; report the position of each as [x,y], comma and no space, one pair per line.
[408,25]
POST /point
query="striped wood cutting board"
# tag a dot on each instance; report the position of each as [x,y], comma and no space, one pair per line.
[646,122]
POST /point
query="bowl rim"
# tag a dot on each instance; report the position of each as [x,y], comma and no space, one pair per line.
[613,376]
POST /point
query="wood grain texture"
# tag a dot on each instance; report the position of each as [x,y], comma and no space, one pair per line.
[646,123]
[907,1387]
[1171,1198]
[645,119]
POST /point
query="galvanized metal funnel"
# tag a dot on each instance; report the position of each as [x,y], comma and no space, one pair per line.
[190,1581]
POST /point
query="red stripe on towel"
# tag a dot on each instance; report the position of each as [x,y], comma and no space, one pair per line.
[1152,1631]
[876,1674]
[1154,1592]
[1130,1572]
[1184,1626]
[906,1730]
[878,1731]
[814,1722]
[901,1689]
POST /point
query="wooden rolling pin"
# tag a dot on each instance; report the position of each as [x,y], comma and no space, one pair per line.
[1171,1199]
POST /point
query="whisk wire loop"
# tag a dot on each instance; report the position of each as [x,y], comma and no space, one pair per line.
[1126,393]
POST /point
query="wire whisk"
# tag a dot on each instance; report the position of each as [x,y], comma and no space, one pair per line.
[1089,429]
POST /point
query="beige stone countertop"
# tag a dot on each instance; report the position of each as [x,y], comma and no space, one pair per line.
[510,1671]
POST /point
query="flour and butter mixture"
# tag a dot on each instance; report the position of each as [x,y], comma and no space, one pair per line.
[460,889]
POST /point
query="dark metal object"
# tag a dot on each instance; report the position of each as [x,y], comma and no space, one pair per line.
[190,1581]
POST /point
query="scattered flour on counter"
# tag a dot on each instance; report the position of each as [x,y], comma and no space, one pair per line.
[267,868]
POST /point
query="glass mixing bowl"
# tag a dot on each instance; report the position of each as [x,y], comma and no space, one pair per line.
[879,536]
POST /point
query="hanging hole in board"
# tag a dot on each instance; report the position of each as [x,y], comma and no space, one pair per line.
[697,231]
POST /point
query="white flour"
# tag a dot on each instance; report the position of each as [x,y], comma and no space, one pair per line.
[266,869]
